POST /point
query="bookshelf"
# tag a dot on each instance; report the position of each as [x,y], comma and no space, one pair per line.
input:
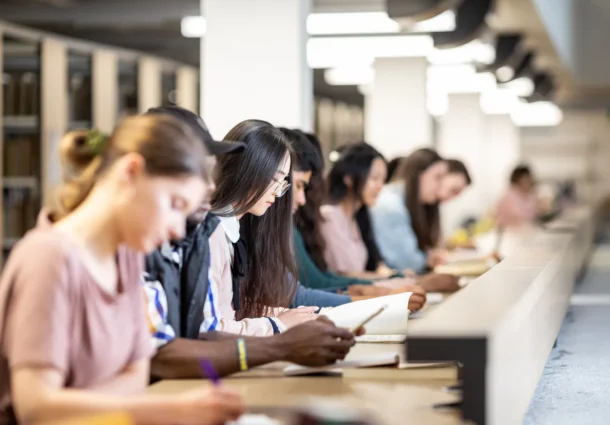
[52,84]
[80,106]
[21,143]
[128,88]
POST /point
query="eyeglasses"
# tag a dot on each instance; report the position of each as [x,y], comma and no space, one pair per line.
[281,188]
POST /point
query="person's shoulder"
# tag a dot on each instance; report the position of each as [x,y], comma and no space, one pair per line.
[44,243]
[42,255]
[331,212]
[391,199]
[219,243]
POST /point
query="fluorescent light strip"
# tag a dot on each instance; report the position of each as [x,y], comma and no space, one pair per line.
[349,76]
[475,51]
[343,23]
[193,26]
[373,23]
[440,23]
[498,102]
[351,23]
[334,52]
[523,86]
[465,83]
[537,114]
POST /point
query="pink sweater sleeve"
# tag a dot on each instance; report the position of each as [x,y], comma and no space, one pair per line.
[221,278]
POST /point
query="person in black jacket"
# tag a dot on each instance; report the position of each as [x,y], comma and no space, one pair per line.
[179,301]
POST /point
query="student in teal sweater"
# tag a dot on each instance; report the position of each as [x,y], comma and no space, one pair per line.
[309,243]
[308,184]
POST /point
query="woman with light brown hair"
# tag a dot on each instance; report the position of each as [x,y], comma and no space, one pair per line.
[73,334]
[405,219]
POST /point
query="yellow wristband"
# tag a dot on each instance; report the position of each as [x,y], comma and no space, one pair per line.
[242,354]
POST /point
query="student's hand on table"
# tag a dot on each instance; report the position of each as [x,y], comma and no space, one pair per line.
[418,296]
[209,406]
[384,271]
[316,343]
[439,282]
[409,273]
[367,291]
[437,257]
[296,316]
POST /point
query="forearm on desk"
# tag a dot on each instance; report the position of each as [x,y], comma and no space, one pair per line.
[37,397]
[319,298]
[179,359]
[133,379]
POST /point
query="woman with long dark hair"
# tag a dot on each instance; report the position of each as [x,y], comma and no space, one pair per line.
[308,179]
[354,182]
[406,217]
[252,253]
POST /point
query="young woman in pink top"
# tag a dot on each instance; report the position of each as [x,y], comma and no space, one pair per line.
[354,183]
[252,261]
[519,205]
[73,335]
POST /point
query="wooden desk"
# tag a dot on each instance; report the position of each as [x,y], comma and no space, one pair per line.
[388,402]
[389,395]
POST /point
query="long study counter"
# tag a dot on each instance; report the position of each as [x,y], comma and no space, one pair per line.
[500,328]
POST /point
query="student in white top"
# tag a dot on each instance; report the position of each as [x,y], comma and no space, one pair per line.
[253,261]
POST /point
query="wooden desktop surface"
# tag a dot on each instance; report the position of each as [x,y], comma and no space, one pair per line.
[389,395]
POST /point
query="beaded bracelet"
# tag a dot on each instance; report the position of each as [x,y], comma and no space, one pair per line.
[242,354]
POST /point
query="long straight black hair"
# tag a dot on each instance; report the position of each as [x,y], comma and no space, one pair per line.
[355,163]
[308,218]
[242,180]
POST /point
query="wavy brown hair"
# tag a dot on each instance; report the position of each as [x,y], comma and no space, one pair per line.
[425,219]
[242,179]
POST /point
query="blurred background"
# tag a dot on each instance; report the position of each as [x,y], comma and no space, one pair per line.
[491,82]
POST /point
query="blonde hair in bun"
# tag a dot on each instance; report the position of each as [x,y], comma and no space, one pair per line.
[168,146]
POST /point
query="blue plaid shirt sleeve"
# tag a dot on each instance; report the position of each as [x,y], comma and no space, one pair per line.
[156,311]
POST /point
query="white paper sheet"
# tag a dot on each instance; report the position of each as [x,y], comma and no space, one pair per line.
[392,321]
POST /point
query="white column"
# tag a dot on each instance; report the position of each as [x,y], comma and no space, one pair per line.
[105,90]
[462,135]
[396,117]
[254,64]
[186,87]
[54,120]
[149,84]
[502,149]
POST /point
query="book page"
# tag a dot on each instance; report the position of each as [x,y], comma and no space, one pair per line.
[392,321]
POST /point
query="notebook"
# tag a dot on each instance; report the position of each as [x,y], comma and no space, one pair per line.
[392,321]
[384,359]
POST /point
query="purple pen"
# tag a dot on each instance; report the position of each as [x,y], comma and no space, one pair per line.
[208,371]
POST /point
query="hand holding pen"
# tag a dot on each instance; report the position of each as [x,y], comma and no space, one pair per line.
[210,406]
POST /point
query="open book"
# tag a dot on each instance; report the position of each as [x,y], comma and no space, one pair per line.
[384,359]
[391,321]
